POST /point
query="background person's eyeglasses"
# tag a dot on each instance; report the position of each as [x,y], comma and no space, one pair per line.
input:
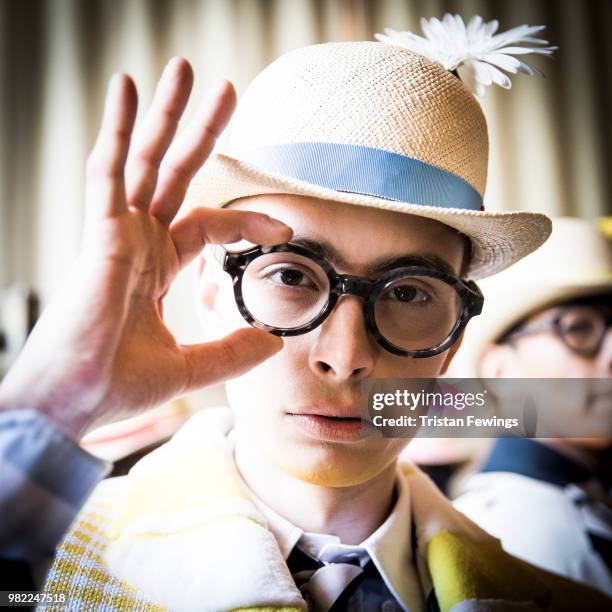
[288,290]
[582,328]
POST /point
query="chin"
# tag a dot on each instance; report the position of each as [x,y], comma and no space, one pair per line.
[326,464]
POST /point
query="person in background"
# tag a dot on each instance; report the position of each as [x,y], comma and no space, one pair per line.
[549,500]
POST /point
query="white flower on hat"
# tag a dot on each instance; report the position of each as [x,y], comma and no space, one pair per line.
[474,51]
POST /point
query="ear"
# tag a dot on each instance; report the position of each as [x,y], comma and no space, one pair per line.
[216,306]
[498,361]
[208,285]
[451,353]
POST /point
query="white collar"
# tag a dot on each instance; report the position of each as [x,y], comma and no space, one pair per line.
[389,546]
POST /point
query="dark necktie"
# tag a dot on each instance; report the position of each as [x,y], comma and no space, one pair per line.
[341,585]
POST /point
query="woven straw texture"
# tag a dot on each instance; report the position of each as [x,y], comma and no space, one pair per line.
[369,94]
[373,95]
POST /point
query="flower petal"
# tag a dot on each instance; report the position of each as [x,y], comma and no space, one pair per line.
[467,74]
[482,73]
[473,27]
[516,34]
[490,28]
[478,54]
[439,32]
[460,25]
[498,77]
[506,62]
[402,38]
[529,69]
[526,50]
[416,44]
[533,40]
[455,29]
[448,20]
[426,29]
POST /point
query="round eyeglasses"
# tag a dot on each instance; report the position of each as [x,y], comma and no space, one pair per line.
[582,328]
[288,290]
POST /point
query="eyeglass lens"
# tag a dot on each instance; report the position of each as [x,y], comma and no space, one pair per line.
[286,290]
[582,328]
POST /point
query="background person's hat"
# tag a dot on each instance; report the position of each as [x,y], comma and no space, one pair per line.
[371,124]
[575,262]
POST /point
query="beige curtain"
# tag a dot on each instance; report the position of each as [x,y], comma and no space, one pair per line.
[551,138]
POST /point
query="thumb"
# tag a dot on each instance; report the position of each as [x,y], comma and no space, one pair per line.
[237,353]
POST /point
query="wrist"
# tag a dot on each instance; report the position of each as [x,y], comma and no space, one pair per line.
[71,423]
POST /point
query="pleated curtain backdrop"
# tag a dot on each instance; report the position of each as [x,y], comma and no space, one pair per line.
[551,138]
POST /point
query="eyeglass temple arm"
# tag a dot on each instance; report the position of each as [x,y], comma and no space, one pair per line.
[534,328]
[218,253]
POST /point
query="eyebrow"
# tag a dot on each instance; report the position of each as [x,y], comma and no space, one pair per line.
[384,264]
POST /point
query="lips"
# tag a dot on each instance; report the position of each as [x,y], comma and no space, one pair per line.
[347,411]
[334,412]
[332,420]
[330,429]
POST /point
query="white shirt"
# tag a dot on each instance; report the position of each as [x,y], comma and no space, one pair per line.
[389,546]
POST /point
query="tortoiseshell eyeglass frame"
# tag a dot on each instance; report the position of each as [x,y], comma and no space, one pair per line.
[235,264]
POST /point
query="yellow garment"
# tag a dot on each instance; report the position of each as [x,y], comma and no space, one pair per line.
[180,533]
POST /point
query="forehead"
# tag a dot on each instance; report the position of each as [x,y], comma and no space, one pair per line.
[360,234]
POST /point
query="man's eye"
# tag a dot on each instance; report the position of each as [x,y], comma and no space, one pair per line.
[579,327]
[408,294]
[289,277]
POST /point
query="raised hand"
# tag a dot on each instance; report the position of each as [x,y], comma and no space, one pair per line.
[101,348]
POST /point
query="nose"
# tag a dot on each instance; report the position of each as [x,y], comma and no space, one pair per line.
[344,349]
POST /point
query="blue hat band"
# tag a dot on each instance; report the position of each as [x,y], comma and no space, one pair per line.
[367,171]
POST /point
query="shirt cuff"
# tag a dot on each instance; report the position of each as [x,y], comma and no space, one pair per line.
[46,479]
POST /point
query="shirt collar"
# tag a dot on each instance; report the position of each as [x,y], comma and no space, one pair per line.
[389,546]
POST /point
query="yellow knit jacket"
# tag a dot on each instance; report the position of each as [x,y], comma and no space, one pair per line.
[180,533]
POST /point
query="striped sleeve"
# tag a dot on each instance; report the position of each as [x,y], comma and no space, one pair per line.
[45,478]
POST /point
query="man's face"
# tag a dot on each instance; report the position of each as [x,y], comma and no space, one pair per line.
[545,354]
[321,371]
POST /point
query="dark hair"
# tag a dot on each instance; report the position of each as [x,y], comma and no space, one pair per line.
[467,254]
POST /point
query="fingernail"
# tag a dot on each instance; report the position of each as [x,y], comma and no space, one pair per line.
[279,342]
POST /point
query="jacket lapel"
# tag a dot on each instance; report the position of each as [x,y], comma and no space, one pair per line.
[188,535]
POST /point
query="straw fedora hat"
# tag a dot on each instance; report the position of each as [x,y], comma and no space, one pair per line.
[575,262]
[370,124]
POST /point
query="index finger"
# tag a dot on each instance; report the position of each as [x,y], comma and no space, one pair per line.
[204,226]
